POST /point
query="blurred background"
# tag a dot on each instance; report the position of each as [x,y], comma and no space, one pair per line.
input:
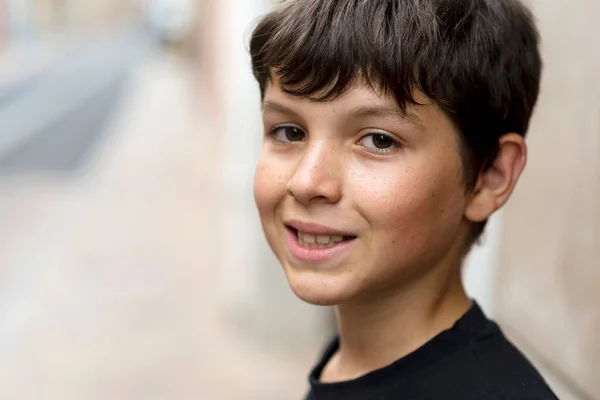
[132,263]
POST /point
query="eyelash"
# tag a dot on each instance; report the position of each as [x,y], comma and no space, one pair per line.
[273,131]
[395,143]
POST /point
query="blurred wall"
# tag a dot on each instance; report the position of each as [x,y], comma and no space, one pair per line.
[100,14]
[19,18]
[32,20]
[548,294]
[480,269]
[3,24]
[255,293]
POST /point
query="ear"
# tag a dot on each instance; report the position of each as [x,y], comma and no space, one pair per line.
[496,184]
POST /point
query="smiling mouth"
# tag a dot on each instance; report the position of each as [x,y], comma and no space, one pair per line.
[312,241]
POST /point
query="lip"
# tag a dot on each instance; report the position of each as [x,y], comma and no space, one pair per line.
[316,229]
[315,256]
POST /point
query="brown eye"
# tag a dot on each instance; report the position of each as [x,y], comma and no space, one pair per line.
[287,134]
[379,142]
[382,141]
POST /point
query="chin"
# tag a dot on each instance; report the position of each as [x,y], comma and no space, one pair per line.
[319,288]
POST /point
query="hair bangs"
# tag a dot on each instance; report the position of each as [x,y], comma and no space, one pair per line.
[314,54]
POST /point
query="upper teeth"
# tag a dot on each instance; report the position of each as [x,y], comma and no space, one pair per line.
[320,239]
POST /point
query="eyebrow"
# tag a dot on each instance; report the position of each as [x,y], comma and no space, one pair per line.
[386,112]
[356,113]
[274,106]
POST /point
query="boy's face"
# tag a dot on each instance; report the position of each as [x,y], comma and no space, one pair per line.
[356,198]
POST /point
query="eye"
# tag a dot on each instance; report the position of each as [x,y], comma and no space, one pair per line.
[379,143]
[288,134]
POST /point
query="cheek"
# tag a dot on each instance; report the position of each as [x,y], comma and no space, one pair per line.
[411,210]
[269,186]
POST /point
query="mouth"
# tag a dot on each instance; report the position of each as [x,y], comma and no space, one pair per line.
[318,241]
[316,244]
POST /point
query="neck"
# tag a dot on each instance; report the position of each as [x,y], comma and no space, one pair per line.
[376,332]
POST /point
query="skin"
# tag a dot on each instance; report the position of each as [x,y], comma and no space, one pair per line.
[399,283]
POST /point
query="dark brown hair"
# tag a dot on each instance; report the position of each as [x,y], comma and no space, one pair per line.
[477,59]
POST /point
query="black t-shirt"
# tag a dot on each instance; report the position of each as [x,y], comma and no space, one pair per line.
[472,360]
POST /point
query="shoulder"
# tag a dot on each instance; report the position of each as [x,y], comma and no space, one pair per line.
[506,371]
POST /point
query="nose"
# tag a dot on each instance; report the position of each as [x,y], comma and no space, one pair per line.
[317,178]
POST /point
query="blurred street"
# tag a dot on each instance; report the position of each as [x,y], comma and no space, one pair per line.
[108,242]
[44,116]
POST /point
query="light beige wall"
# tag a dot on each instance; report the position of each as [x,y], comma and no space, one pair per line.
[549,285]
[100,15]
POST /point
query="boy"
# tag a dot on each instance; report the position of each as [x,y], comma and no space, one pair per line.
[393,130]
